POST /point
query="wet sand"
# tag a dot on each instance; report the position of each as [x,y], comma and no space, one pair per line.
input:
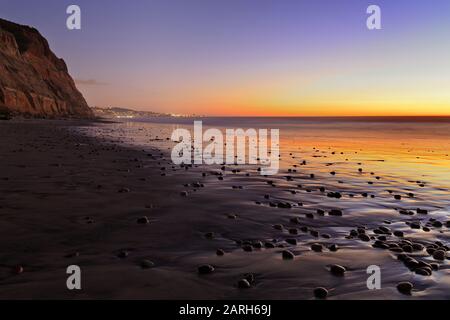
[106,197]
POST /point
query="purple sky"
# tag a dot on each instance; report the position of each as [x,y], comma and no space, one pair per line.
[250,56]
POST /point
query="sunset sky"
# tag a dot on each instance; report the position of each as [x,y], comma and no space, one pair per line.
[252,57]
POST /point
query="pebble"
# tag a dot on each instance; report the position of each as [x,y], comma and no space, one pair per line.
[250,277]
[288,255]
[337,270]
[423,272]
[437,224]
[269,245]
[17,269]
[434,266]
[415,225]
[209,235]
[284,205]
[316,247]
[292,241]
[257,244]
[405,287]
[314,233]
[399,234]
[439,255]
[364,237]
[205,269]
[143,220]
[407,249]
[385,230]
[147,264]
[333,248]
[244,284]
[123,254]
[335,212]
[220,252]
[320,293]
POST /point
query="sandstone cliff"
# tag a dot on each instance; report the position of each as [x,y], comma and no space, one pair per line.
[33,81]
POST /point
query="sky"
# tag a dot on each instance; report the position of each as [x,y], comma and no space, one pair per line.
[252,57]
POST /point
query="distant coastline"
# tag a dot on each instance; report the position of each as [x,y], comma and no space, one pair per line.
[128,113]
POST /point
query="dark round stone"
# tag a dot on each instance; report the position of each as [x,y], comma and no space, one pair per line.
[423,272]
[399,234]
[257,244]
[147,264]
[407,248]
[17,269]
[439,255]
[244,284]
[205,269]
[415,225]
[317,247]
[333,248]
[314,233]
[320,293]
[220,252]
[437,224]
[143,220]
[384,229]
[411,263]
[250,277]
[288,255]
[269,245]
[337,270]
[292,241]
[364,237]
[209,235]
[405,287]
[335,212]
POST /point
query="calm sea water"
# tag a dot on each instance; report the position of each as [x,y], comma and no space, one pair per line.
[408,153]
[408,146]
[370,162]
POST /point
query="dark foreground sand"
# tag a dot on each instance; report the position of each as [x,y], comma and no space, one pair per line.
[69,199]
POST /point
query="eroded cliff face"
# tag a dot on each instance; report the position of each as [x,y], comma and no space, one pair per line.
[33,81]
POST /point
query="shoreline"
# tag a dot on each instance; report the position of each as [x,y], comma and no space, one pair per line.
[71,199]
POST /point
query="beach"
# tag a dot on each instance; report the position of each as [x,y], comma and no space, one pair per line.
[106,196]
